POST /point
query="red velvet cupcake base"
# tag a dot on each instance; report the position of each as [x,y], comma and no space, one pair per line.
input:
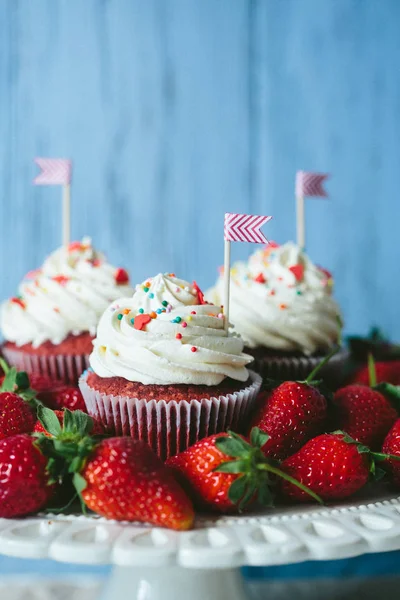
[170,427]
[66,368]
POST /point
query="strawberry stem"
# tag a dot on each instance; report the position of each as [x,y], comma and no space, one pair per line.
[322,364]
[292,480]
[371,370]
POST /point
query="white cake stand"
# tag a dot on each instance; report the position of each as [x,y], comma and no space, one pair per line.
[203,564]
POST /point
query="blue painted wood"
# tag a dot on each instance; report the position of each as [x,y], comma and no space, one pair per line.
[175,111]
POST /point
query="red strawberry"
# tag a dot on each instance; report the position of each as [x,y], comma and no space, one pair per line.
[291,414]
[364,414]
[225,473]
[330,465]
[42,383]
[391,445]
[124,480]
[386,371]
[40,427]
[24,482]
[16,416]
[119,478]
[63,396]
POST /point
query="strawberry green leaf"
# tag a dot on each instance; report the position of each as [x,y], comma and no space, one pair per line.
[4,366]
[79,483]
[258,438]
[238,489]
[379,474]
[371,370]
[264,496]
[391,393]
[232,466]
[22,380]
[251,490]
[49,420]
[77,422]
[231,446]
[9,382]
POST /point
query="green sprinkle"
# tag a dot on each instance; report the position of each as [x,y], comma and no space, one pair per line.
[120,317]
[132,321]
[299,292]
[178,319]
[141,310]
[164,303]
[146,289]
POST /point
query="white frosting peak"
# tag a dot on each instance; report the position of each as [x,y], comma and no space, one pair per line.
[281,300]
[164,335]
[66,296]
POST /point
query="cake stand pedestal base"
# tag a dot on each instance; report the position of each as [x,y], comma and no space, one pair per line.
[174,583]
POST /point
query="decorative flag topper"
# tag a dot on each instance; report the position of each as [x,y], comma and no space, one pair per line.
[307,184]
[58,171]
[239,228]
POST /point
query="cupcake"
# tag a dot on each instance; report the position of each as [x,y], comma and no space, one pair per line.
[164,369]
[282,306]
[49,327]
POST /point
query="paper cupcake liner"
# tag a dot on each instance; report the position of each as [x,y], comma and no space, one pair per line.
[299,367]
[63,367]
[170,427]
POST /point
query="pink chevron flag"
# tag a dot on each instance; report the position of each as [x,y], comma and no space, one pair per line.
[310,184]
[54,171]
[244,228]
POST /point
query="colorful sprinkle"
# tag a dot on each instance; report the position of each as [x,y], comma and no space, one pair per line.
[271,293]
[164,303]
[169,308]
[121,276]
[113,309]
[193,312]
[282,306]
[184,324]
[260,278]
[200,295]
[178,336]
[220,316]
[141,320]
[119,317]
[189,318]
[298,271]
[153,315]
[126,311]
[151,295]
[178,289]
[158,311]
[57,310]
[19,301]
[61,279]
[146,289]
[141,311]
[178,319]
[299,292]
[193,349]
[132,321]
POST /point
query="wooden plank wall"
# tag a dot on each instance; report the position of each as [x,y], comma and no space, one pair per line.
[175,111]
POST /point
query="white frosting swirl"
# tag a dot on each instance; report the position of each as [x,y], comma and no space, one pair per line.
[282,301]
[66,296]
[181,339]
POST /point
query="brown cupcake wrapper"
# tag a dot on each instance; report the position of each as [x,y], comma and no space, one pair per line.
[299,367]
[63,367]
[170,427]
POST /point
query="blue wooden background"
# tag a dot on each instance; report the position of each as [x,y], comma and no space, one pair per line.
[175,111]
